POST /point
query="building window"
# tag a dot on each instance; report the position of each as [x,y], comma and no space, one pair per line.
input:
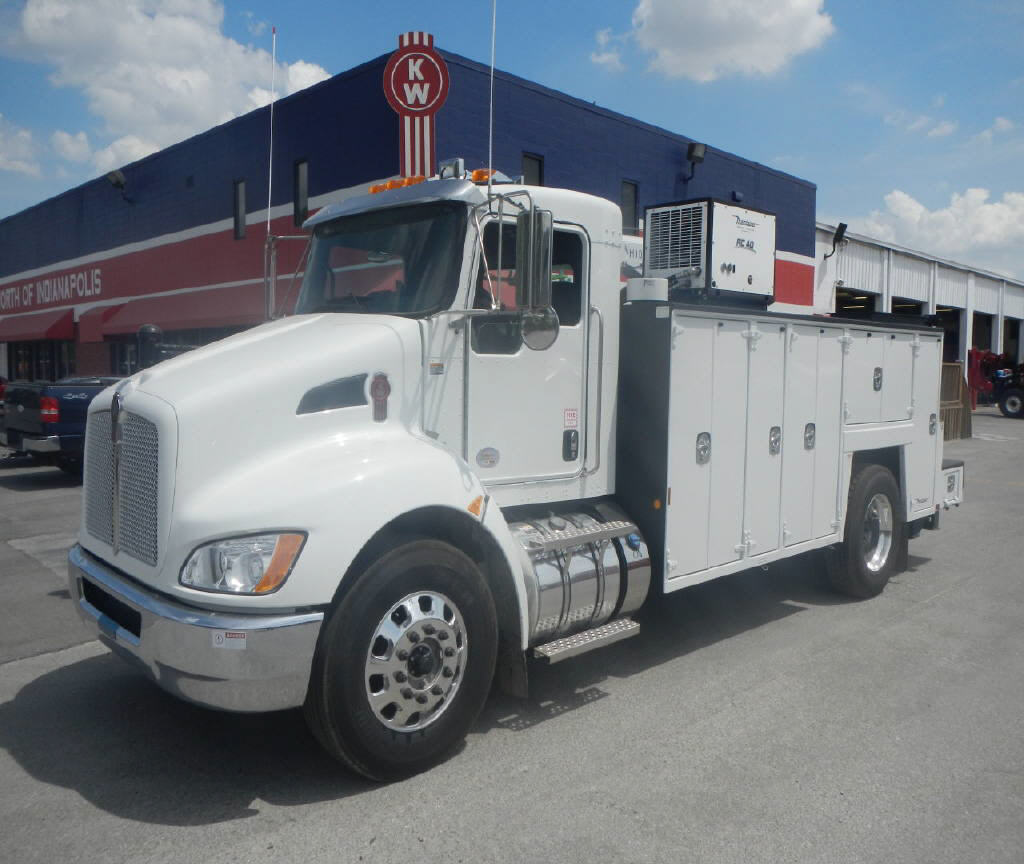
[300,192]
[48,360]
[628,203]
[533,169]
[239,209]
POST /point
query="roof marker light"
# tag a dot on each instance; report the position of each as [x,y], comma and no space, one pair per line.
[481,175]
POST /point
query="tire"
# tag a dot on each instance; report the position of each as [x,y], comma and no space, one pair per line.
[419,590]
[1011,402]
[71,467]
[876,536]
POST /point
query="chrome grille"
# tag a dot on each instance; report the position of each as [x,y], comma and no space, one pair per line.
[99,478]
[674,238]
[137,489]
[137,485]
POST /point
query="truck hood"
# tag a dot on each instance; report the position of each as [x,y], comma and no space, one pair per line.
[236,401]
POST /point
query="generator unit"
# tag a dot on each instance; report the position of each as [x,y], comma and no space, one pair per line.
[707,249]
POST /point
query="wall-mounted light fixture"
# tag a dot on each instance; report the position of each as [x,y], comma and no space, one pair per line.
[837,238]
[117,180]
[695,154]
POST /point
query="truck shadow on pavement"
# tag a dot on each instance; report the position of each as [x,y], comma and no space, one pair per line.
[682,623]
[37,479]
[102,729]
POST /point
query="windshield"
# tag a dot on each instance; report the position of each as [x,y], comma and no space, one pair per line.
[401,261]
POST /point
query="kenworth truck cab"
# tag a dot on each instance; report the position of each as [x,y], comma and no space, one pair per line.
[470,446]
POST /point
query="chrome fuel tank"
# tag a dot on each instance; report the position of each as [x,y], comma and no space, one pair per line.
[581,570]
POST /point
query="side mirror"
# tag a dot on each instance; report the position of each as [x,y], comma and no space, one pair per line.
[534,236]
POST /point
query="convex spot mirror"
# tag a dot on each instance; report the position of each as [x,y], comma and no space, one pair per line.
[540,328]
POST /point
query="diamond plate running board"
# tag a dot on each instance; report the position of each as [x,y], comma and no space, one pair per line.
[588,640]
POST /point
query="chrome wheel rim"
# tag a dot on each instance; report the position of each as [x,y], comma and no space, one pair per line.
[1014,404]
[877,532]
[415,661]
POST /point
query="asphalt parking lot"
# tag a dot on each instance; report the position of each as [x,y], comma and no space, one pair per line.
[755,718]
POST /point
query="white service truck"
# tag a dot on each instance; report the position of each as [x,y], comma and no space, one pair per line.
[471,446]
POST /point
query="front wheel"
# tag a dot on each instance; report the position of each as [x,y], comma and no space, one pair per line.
[405,661]
[1011,403]
[875,538]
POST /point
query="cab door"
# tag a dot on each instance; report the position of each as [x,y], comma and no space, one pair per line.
[525,415]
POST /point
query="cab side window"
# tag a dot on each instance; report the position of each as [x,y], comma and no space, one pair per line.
[496,280]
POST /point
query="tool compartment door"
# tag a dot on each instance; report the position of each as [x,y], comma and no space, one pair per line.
[863,377]
[708,405]
[690,401]
[765,440]
[800,434]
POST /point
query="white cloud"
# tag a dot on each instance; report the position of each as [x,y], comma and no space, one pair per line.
[74,148]
[971,229]
[254,25]
[910,122]
[1000,124]
[154,71]
[703,41]
[127,148]
[941,130]
[17,150]
[609,58]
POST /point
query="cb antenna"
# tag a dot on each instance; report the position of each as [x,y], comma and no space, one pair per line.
[490,120]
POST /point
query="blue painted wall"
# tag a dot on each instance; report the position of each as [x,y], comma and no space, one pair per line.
[349,135]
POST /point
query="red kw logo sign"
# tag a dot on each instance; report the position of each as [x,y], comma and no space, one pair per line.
[416,85]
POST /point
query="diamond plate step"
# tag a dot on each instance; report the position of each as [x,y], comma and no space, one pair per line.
[588,640]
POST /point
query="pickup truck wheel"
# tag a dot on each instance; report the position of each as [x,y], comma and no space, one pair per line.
[1011,403]
[876,535]
[71,467]
[405,661]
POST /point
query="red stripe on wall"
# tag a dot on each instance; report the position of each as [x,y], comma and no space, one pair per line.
[794,283]
[210,259]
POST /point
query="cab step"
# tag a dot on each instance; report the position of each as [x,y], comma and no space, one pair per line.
[588,640]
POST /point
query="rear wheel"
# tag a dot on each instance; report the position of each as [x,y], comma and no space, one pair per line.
[405,661]
[1011,403]
[876,535]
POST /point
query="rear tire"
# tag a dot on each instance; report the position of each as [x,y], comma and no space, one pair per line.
[875,537]
[1011,403]
[389,695]
[71,467]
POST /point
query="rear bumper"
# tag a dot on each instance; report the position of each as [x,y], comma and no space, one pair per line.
[220,660]
[32,443]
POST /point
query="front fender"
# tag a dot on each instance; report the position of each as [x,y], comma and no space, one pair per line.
[342,491]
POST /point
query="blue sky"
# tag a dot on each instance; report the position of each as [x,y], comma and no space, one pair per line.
[908,116]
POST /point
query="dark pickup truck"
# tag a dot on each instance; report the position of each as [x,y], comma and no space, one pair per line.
[47,420]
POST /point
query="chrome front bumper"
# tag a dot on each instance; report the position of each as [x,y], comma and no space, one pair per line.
[221,660]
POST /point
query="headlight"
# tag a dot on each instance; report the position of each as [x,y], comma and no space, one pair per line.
[243,565]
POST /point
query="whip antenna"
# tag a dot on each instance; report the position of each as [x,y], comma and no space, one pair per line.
[490,120]
[273,96]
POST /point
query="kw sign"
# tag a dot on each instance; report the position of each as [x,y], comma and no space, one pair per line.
[416,85]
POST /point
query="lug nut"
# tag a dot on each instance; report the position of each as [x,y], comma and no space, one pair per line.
[447,672]
[449,651]
[402,655]
[407,692]
[413,637]
[400,676]
[429,629]
[422,698]
[442,635]
[436,690]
